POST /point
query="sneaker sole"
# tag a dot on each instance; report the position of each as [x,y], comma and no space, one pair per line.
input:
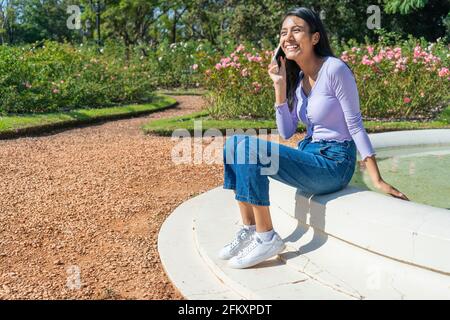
[259,260]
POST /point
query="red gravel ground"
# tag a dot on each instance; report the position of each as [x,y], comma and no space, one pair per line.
[80,210]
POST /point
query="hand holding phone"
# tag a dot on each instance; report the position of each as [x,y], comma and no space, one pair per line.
[277,69]
[277,56]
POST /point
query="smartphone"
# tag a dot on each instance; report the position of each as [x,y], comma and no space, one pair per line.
[278,54]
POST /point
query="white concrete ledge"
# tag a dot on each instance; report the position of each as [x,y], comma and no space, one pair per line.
[180,259]
[353,244]
[406,231]
[216,223]
[410,138]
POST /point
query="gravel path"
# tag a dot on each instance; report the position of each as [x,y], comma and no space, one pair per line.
[80,210]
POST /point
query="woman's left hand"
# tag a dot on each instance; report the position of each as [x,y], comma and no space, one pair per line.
[388,189]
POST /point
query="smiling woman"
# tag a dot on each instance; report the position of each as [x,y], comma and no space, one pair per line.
[313,86]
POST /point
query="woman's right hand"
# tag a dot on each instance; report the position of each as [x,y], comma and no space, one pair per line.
[278,75]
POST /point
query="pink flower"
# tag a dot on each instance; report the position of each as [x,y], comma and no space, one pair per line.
[257,87]
[194,66]
[406,100]
[390,54]
[244,72]
[344,56]
[27,85]
[254,58]
[443,72]
[366,61]
[240,48]
[377,58]
[235,58]
[55,90]
[218,66]
[370,50]
[417,51]
[62,81]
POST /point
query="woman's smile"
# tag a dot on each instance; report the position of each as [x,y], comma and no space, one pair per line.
[291,47]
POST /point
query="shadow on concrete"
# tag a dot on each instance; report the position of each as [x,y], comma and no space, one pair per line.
[313,207]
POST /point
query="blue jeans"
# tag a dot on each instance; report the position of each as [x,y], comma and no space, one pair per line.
[314,167]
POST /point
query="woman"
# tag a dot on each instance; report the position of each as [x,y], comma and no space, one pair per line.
[319,89]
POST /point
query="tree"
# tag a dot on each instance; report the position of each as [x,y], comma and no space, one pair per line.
[420,18]
[404,7]
[43,19]
[130,20]
[7,21]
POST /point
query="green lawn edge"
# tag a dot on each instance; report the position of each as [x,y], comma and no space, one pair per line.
[17,125]
[166,127]
[182,92]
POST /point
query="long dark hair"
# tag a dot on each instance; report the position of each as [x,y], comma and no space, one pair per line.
[322,48]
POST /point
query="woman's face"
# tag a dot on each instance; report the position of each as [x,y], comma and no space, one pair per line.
[295,38]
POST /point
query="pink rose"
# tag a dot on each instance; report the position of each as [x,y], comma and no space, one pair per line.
[240,48]
[443,72]
[257,87]
[366,61]
[377,58]
[417,52]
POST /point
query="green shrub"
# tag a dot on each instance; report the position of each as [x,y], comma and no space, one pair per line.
[397,79]
[58,76]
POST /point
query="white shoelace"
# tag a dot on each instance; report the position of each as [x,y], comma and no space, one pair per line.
[252,245]
[242,235]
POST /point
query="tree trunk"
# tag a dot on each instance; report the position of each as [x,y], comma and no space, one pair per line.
[174,28]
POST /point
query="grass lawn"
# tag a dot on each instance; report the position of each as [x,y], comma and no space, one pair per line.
[12,125]
[182,92]
[165,127]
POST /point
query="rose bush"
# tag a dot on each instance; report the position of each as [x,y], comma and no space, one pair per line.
[409,80]
[58,76]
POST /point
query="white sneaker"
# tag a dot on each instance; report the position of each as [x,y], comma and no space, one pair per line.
[256,252]
[243,238]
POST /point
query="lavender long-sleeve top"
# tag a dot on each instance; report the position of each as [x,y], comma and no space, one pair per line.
[330,112]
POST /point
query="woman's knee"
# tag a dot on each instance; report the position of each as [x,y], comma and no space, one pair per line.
[231,146]
[232,142]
